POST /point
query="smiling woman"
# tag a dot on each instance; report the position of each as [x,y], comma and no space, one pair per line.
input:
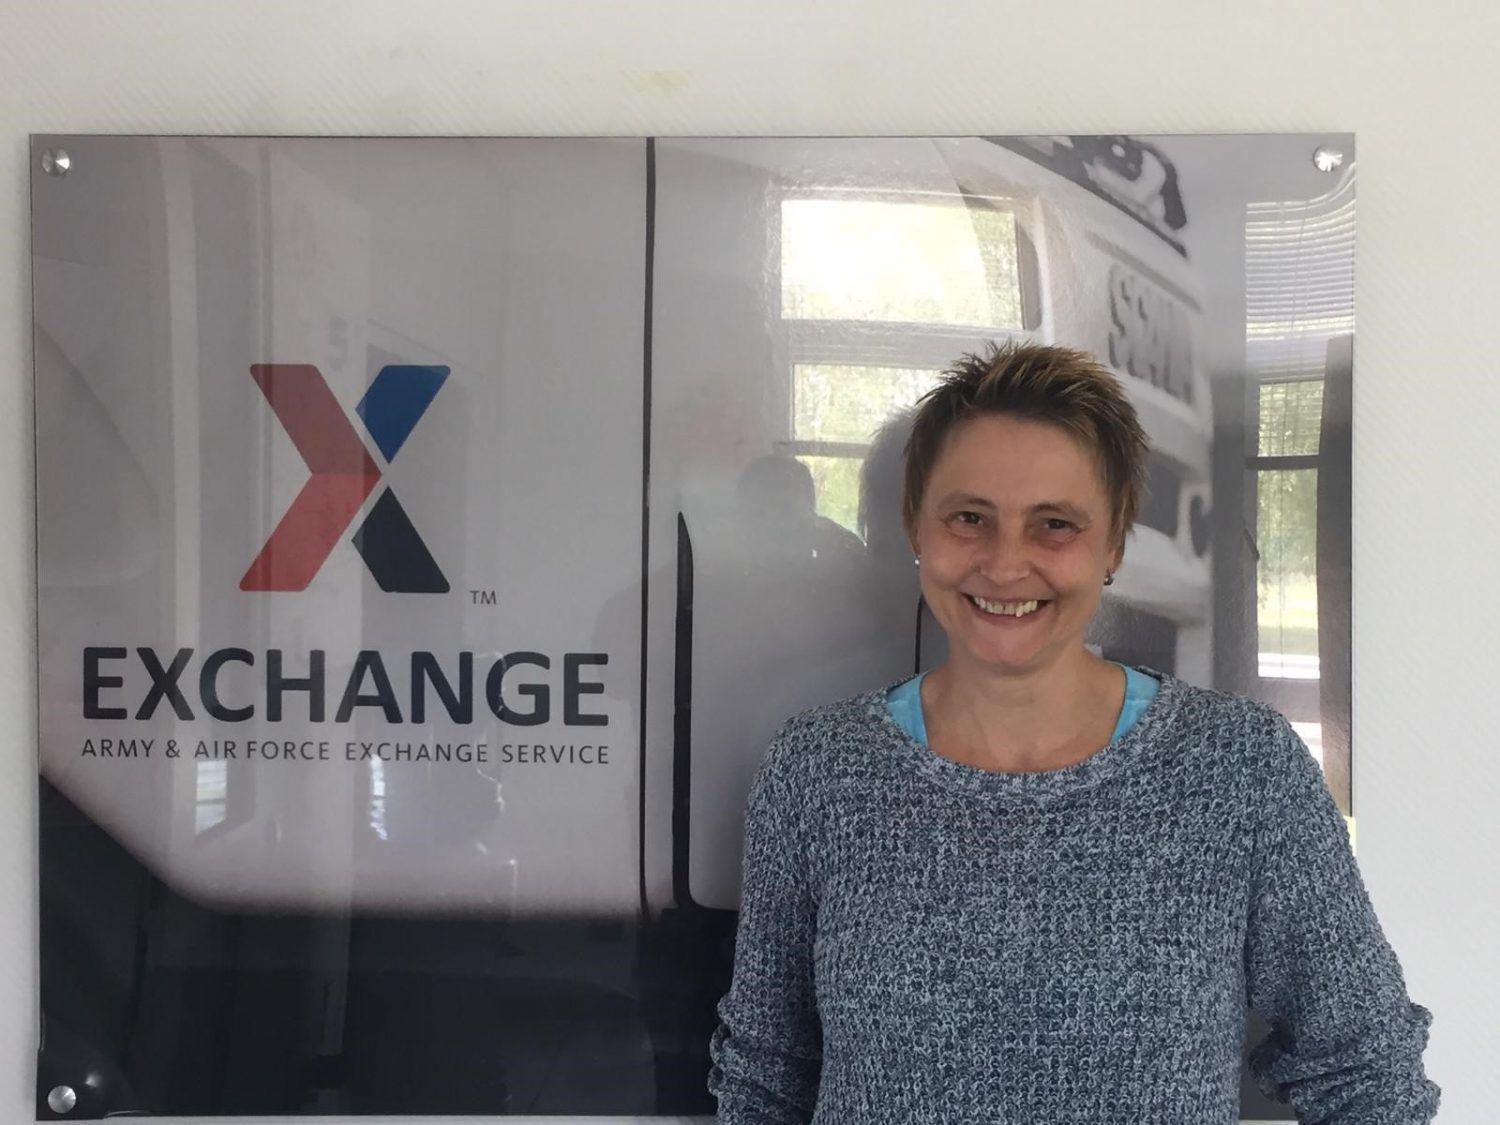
[1035,885]
[1024,471]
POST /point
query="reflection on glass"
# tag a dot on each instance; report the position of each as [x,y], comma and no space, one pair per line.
[1291,417]
[836,488]
[377,799]
[837,409]
[1287,586]
[1299,300]
[1299,281]
[845,403]
[929,262]
[211,795]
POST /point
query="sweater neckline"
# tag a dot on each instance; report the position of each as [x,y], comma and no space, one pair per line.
[1140,741]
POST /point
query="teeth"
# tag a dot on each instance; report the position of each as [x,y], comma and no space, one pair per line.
[1006,609]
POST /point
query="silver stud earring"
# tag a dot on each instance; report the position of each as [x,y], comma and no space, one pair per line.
[1109,578]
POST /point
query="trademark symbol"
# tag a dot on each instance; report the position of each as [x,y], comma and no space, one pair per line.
[482,597]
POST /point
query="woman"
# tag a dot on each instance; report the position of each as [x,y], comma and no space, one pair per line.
[1034,886]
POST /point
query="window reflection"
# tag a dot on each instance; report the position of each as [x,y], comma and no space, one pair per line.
[837,409]
[1287,581]
[1299,295]
[937,262]
[873,291]
[1291,417]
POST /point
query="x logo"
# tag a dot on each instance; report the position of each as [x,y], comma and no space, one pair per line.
[343,477]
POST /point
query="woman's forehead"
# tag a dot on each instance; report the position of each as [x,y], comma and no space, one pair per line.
[999,456]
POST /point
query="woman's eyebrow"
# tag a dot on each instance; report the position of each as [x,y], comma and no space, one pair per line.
[967,499]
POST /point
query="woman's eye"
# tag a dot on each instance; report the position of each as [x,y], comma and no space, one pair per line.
[1058,527]
[964,522]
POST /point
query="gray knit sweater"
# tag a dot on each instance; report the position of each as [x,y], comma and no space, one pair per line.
[922,941]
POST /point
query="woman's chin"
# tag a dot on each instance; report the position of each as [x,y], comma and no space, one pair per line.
[1010,644]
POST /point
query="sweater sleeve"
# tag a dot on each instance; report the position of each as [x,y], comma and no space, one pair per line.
[1345,1046]
[767,1051]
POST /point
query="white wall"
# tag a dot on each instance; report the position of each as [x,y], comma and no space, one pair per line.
[1407,77]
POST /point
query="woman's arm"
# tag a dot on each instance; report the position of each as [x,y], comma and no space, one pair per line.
[767,1051]
[1346,1042]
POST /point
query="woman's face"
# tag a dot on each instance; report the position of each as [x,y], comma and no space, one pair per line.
[1014,540]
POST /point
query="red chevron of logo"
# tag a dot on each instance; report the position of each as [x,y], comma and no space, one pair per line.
[343,476]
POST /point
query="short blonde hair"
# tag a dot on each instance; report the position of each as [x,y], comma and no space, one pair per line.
[1064,387]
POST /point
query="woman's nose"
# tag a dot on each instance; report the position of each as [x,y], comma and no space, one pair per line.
[1006,559]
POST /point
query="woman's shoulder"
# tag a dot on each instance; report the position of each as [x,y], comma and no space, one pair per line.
[821,736]
[1213,706]
[1231,728]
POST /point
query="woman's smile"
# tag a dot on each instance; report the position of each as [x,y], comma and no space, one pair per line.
[1015,609]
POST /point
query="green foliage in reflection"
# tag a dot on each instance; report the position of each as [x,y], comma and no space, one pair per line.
[1287,536]
[844,403]
[848,404]
[1291,415]
[836,482]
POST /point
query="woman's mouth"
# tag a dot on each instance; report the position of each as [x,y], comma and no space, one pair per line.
[1006,609]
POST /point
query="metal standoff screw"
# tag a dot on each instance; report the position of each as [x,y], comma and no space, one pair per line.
[56,162]
[1327,158]
[61,1099]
